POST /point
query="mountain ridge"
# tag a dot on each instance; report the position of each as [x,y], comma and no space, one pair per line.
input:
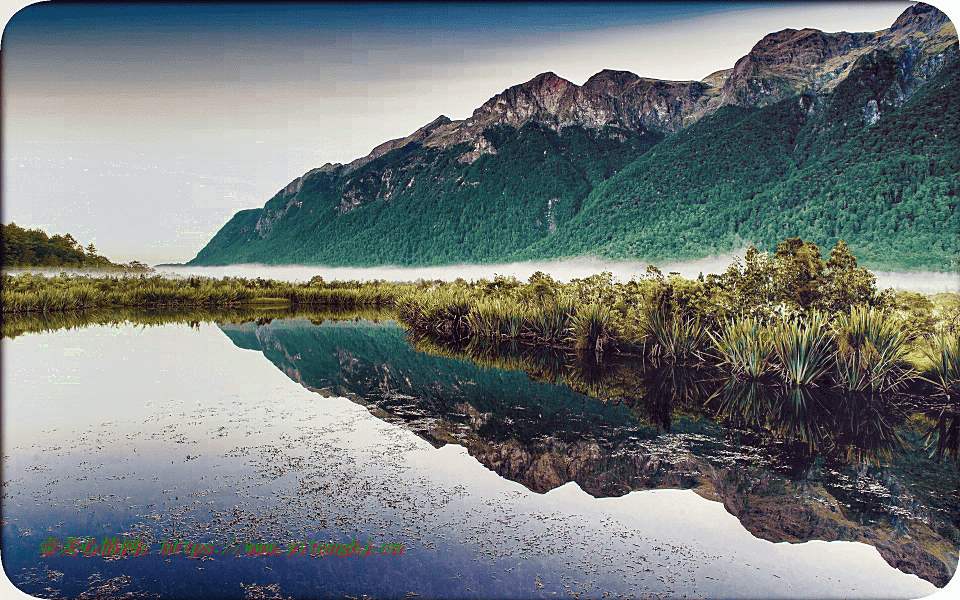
[587,134]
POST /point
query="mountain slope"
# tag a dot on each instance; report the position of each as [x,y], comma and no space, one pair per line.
[823,135]
[793,169]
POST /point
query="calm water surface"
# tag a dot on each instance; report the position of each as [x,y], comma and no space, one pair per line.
[497,485]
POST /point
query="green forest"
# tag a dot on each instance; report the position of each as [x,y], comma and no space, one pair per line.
[747,175]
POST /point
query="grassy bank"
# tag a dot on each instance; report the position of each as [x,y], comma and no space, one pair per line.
[791,317]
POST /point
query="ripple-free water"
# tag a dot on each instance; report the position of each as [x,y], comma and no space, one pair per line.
[177,433]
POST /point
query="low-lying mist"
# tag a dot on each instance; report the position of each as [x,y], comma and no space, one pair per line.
[927,282]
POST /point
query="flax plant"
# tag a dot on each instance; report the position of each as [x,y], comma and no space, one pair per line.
[805,349]
[591,328]
[671,336]
[551,324]
[944,371]
[745,348]
[871,350]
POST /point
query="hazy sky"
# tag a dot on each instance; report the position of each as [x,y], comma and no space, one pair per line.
[144,127]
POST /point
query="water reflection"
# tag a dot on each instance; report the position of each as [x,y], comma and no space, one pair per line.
[790,465]
[853,426]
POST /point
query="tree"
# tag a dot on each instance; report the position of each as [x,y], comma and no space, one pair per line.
[798,270]
[843,283]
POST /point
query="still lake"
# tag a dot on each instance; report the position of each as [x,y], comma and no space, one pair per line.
[523,477]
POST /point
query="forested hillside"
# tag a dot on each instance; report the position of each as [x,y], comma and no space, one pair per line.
[428,207]
[755,175]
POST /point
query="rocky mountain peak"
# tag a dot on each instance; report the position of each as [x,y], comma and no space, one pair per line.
[791,61]
[611,82]
[801,49]
[517,104]
[920,17]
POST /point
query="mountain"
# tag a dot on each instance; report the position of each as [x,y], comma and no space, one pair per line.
[811,134]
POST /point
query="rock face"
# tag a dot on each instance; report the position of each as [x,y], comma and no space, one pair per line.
[782,64]
[789,62]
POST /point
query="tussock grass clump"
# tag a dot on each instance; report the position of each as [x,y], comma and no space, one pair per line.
[551,324]
[871,350]
[495,319]
[944,354]
[591,328]
[745,348]
[672,336]
[805,349]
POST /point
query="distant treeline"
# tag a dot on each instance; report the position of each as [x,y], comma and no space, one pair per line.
[24,248]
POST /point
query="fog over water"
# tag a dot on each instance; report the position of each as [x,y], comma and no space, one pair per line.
[562,270]
[927,282]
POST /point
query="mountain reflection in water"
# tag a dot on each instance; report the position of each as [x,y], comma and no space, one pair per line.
[791,464]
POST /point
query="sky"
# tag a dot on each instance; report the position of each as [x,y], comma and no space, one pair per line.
[143,128]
